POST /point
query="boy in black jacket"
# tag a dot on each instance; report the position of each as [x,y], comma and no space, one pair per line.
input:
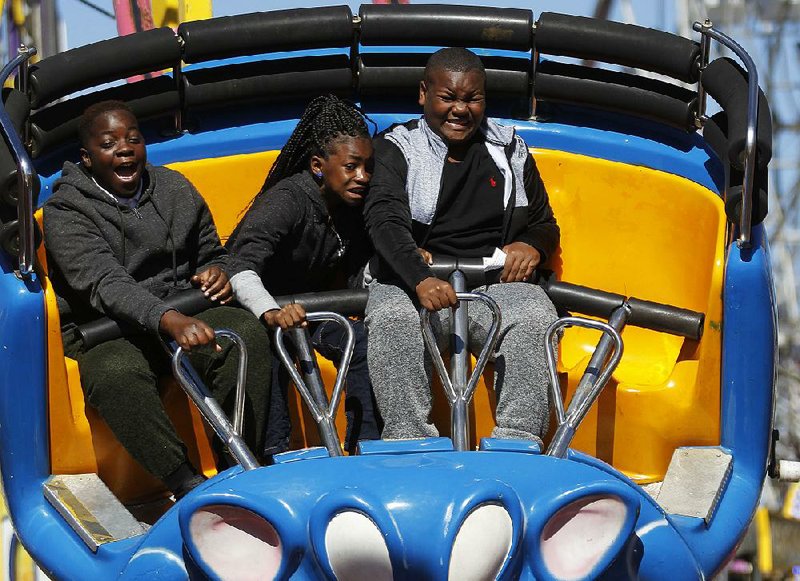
[455,183]
[122,236]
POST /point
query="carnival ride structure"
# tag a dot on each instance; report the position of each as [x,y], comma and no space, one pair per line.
[666,364]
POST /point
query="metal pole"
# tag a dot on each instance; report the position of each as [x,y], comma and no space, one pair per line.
[594,379]
[25,171]
[308,364]
[705,51]
[752,124]
[459,398]
[324,413]
[459,353]
[209,406]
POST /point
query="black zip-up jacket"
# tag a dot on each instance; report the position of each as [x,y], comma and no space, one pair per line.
[404,198]
[295,245]
[106,259]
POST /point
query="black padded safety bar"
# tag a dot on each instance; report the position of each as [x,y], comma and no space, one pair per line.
[726,81]
[260,32]
[647,314]
[18,107]
[58,123]
[441,25]
[281,80]
[381,74]
[615,91]
[191,302]
[572,297]
[617,43]
[585,300]
[101,62]
[715,133]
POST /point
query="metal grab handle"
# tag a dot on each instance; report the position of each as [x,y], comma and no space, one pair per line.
[745,221]
[459,393]
[229,433]
[323,412]
[592,382]
[25,172]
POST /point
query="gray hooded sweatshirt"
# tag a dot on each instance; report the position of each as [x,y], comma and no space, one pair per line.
[107,259]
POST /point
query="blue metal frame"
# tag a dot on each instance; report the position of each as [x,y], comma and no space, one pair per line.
[605,136]
[410,489]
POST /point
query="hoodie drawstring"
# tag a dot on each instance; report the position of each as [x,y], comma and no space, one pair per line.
[171,241]
[122,226]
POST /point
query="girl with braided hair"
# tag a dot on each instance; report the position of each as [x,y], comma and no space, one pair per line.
[303,232]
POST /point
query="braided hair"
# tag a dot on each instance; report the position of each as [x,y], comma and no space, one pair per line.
[326,120]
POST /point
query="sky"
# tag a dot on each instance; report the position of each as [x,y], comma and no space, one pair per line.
[83,25]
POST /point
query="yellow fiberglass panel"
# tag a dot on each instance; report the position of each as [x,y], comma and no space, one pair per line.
[625,229]
[228,184]
[654,236]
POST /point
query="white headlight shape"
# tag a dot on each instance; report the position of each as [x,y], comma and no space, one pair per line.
[235,543]
[481,545]
[580,534]
[356,548]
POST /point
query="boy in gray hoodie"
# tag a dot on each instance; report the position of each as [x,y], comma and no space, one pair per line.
[122,236]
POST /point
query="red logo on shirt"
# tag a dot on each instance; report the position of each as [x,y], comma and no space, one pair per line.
[492,182]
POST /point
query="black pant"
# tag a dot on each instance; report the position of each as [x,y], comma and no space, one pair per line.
[120,380]
[363,419]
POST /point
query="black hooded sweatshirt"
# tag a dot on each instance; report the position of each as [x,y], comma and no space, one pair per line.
[107,259]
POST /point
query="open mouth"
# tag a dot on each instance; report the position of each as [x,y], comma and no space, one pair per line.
[126,171]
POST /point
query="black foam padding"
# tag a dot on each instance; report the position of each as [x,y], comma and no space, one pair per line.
[581,299]
[733,200]
[715,132]
[647,314]
[345,302]
[9,237]
[18,107]
[282,80]
[726,82]
[102,62]
[572,297]
[387,73]
[614,42]
[440,25]
[664,318]
[58,123]
[615,91]
[104,329]
[261,32]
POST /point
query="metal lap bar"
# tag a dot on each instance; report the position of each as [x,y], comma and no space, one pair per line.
[594,379]
[314,396]
[229,433]
[459,391]
[745,221]
[25,171]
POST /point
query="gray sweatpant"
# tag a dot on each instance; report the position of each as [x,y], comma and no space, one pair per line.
[401,368]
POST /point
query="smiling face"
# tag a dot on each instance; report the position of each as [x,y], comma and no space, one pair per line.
[454,104]
[114,152]
[346,170]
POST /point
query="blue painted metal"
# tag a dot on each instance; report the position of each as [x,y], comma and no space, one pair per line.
[606,136]
[419,492]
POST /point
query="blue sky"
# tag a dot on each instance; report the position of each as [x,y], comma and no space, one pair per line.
[84,25]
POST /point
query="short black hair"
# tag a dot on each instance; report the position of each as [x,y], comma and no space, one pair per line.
[455,60]
[94,111]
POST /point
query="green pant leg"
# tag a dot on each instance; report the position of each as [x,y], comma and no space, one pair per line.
[220,369]
[120,380]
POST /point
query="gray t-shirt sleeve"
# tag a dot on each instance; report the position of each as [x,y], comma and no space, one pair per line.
[251,294]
